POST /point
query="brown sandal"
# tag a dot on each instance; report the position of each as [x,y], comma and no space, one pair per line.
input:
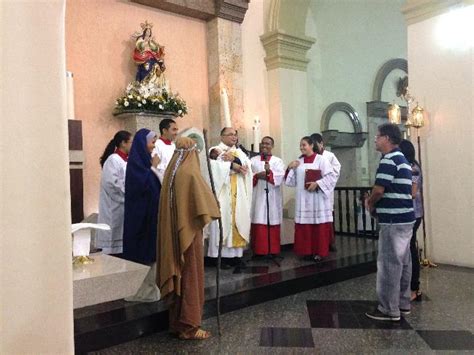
[199,334]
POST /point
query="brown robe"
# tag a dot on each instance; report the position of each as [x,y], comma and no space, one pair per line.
[186,206]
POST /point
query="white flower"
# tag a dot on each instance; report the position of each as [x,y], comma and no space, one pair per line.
[180,112]
[139,105]
[125,103]
[139,98]
[146,95]
[161,107]
[116,103]
[130,96]
[144,101]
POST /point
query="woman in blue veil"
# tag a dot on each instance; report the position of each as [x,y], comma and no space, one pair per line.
[142,195]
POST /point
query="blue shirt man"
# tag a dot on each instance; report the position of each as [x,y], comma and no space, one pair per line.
[392,202]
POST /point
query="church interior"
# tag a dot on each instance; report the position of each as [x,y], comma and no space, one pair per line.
[279,68]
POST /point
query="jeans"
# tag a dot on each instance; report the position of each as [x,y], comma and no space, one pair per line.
[394,268]
[415,258]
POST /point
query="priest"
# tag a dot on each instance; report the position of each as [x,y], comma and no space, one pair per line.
[266,167]
[233,184]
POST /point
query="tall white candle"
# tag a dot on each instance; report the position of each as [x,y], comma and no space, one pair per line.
[256,134]
[225,107]
[70,95]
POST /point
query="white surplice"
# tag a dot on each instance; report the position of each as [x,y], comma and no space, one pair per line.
[221,173]
[313,207]
[111,205]
[165,153]
[259,202]
[336,166]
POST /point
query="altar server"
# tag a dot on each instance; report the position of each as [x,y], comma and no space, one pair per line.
[112,193]
[164,146]
[266,167]
[336,166]
[314,179]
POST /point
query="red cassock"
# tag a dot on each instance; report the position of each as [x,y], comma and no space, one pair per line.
[260,242]
[313,239]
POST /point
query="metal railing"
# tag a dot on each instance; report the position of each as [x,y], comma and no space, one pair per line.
[350,216]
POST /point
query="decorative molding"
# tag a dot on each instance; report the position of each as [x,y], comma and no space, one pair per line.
[200,9]
[336,139]
[286,51]
[232,10]
[419,10]
[379,109]
[385,69]
[76,157]
[342,107]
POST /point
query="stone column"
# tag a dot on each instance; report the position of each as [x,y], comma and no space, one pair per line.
[35,217]
[224,43]
[288,95]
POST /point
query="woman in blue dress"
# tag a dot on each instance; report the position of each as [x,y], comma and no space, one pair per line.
[142,195]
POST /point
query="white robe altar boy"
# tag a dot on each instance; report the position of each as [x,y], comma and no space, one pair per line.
[276,175]
[111,205]
[313,209]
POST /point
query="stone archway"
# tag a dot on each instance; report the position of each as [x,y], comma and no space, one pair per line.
[336,139]
[382,74]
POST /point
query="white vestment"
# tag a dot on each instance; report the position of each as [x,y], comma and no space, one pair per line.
[313,207]
[111,205]
[336,166]
[165,153]
[259,202]
[221,173]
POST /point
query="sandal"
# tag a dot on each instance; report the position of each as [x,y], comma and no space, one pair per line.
[199,334]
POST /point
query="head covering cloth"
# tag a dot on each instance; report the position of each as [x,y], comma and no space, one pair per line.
[186,206]
[142,194]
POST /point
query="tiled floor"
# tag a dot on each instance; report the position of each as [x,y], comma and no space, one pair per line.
[329,320]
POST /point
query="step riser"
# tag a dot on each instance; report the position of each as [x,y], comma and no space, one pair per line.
[156,322]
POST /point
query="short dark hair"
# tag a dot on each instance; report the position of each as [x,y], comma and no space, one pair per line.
[166,124]
[317,138]
[268,137]
[392,131]
[408,150]
[225,129]
[308,140]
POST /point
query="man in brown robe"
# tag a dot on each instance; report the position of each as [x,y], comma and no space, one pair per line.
[186,206]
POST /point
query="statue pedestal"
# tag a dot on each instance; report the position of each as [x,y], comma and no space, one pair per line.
[138,120]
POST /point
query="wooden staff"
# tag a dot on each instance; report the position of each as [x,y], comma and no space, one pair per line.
[221,236]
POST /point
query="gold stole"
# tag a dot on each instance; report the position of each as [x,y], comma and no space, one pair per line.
[237,240]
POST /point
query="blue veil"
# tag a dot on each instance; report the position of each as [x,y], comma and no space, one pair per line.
[142,195]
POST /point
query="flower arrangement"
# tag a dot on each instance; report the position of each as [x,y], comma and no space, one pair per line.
[149,97]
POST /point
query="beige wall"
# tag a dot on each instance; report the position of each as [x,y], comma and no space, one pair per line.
[99,50]
[441,77]
[35,263]
[254,71]
[353,40]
